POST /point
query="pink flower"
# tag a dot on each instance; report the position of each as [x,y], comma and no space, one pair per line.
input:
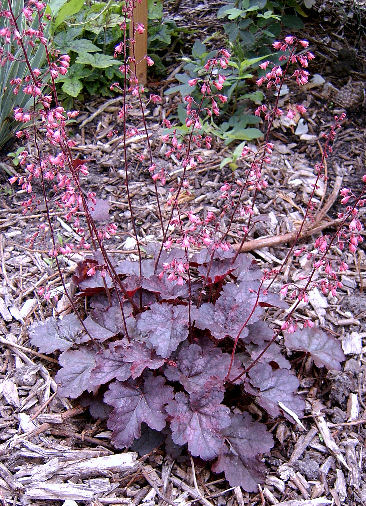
[264,64]
[140,28]
[149,61]
[192,82]
[289,39]
[304,43]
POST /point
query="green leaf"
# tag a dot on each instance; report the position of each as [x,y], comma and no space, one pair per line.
[232,31]
[238,150]
[72,87]
[235,13]
[98,61]
[256,5]
[183,89]
[242,134]
[269,15]
[255,96]
[155,9]
[69,9]
[83,46]
[199,49]
[63,39]
[251,61]
[55,6]
[293,22]
[221,13]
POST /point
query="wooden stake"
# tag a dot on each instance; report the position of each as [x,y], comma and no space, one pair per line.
[140,50]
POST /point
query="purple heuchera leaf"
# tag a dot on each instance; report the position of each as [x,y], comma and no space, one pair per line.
[198,421]
[276,386]
[200,368]
[240,472]
[134,405]
[165,327]
[96,331]
[223,319]
[110,364]
[53,334]
[149,440]
[272,354]
[133,268]
[139,357]
[324,349]
[111,318]
[169,290]
[247,437]
[75,376]
[259,332]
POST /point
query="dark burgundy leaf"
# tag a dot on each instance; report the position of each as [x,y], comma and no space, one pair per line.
[96,331]
[233,308]
[204,256]
[75,376]
[240,472]
[165,326]
[149,440]
[111,318]
[100,211]
[226,317]
[133,268]
[173,450]
[198,420]
[247,438]
[276,386]
[55,334]
[216,271]
[246,268]
[134,405]
[139,357]
[272,354]
[200,368]
[97,407]
[324,349]
[110,364]
[166,257]
[96,283]
[169,290]
[259,333]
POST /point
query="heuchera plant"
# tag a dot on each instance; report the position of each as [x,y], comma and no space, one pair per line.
[166,367]
[176,346]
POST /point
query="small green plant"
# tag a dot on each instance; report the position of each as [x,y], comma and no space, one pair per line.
[163,34]
[252,25]
[238,124]
[15,68]
[88,33]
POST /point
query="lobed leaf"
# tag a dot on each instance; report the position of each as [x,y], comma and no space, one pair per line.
[247,438]
[200,368]
[198,421]
[276,386]
[135,405]
[165,326]
[139,357]
[239,471]
[55,334]
[75,376]
[324,349]
[110,364]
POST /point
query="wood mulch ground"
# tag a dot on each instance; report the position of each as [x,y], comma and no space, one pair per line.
[52,452]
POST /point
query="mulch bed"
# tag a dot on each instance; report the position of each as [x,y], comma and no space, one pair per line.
[52,452]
